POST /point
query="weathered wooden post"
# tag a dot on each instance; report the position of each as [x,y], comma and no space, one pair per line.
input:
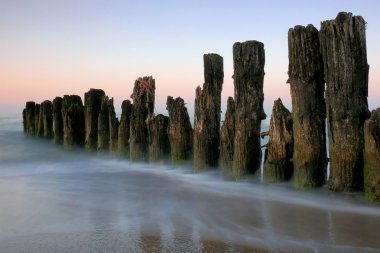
[207,114]
[113,126]
[227,136]
[92,102]
[47,118]
[73,120]
[40,122]
[37,128]
[107,126]
[308,106]
[24,124]
[57,120]
[124,127]
[249,61]
[180,131]
[372,157]
[343,45]
[30,111]
[143,105]
[159,146]
[103,125]
[278,166]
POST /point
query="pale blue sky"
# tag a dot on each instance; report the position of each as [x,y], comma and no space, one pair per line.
[49,48]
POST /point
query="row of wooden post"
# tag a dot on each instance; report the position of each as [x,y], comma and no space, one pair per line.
[335,56]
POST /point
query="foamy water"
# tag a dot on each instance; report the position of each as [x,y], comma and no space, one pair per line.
[54,200]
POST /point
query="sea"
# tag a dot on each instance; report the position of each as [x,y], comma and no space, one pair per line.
[58,200]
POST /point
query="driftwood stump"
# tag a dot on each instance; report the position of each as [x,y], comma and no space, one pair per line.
[124,128]
[143,105]
[308,106]
[227,137]
[92,103]
[30,112]
[180,131]
[73,120]
[278,166]
[249,61]
[159,145]
[47,118]
[207,114]
[343,45]
[57,120]
[372,157]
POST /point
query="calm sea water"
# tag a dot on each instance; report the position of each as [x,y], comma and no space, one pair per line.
[56,200]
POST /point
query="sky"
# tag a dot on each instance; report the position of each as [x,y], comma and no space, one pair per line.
[49,48]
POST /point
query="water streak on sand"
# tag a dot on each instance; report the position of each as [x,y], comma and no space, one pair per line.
[53,200]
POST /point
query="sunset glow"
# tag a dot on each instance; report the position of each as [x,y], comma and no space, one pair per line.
[52,48]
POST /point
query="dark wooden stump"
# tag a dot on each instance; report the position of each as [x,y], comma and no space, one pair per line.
[308,106]
[24,123]
[278,166]
[30,113]
[372,157]
[103,125]
[343,45]
[180,131]
[124,128]
[159,145]
[73,120]
[92,102]
[38,126]
[47,118]
[249,60]
[113,126]
[57,120]
[207,114]
[227,137]
[143,105]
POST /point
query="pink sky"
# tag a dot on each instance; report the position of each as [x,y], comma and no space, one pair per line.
[68,47]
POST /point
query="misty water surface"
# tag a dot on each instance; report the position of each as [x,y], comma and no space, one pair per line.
[56,200]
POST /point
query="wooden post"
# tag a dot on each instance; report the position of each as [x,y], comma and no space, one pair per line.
[159,146]
[343,45]
[143,105]
[278,166]
[73,120]
[207,114]
[372,157]
[249,61]
[47,118]
[57,120]
[124,128]
[92,103]
[180,131]
[30,111]
[308,106]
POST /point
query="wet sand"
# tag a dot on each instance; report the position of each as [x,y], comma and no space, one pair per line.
[54,200]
